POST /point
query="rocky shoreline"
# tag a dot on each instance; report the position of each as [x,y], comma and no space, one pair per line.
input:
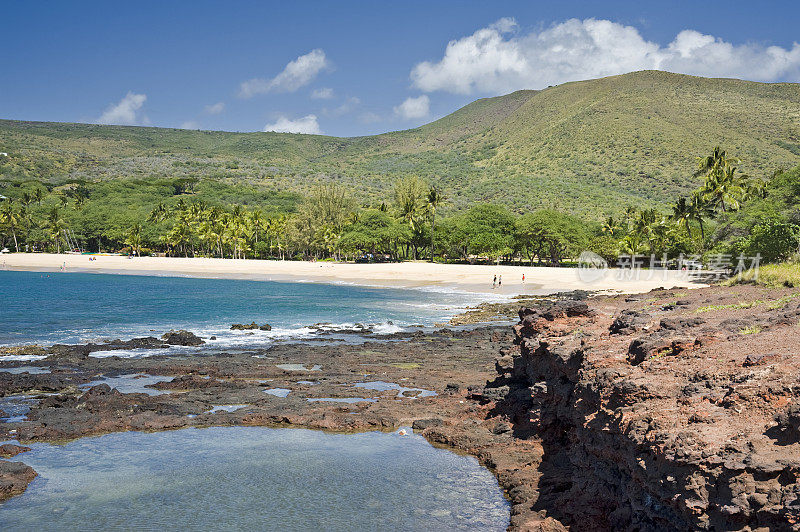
[676,409]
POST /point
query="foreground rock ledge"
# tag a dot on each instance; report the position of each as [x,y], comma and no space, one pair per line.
[669,410]
[661,412]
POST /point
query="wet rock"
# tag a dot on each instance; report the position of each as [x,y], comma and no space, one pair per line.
[422,424]
[187,382]
[10,450]
[68,352]
[148,342]
[14,478]
[82,351]
[244,327]
[182,337]
[98,391]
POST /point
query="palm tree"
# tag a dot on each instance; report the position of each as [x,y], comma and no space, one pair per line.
[26,199]
[610,226]
[434,200]
[409,194]
[714,163]
[682,214]
[159,213]
[11,219]
[38,195]
[699,209]
[134,239]
[55,225]
[725,188]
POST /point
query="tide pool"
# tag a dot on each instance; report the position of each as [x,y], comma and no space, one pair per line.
[254,478]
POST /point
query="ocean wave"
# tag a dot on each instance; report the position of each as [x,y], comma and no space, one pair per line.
[222,339]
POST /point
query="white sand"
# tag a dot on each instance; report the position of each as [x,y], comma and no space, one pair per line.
[461,277]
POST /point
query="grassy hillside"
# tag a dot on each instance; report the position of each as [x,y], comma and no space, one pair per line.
[590,147]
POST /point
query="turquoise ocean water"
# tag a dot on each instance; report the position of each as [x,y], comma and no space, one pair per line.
[48,308]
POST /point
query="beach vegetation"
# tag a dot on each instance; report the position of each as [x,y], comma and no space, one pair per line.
[729,214]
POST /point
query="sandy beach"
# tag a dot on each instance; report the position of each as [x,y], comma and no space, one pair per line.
[463,277]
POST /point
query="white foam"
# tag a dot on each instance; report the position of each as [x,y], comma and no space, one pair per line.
[22,358]
[387,328]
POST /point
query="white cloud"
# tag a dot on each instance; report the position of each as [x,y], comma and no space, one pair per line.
[296,74]
[190,124]
[306,124]
[412,108]
[214,109]
[324,93]
[499,59]
[127,112]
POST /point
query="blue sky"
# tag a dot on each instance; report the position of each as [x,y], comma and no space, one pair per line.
[354,68]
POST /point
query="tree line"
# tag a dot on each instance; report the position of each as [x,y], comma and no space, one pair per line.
[413,223]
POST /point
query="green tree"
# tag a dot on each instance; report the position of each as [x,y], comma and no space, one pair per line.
[10,219]
[772,238]
[55,226]
[550,235]
[409,198]
[489,230]
[699,211]
[38,195]
[134,239]
[682,215]
[374,232]
[434,200]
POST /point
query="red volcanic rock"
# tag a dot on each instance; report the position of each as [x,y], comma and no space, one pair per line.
[655,415]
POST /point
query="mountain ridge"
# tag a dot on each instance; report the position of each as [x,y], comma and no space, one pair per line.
[594,145]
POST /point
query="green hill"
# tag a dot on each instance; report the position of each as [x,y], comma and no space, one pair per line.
[589,147]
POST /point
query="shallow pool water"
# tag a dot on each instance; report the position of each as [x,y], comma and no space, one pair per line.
[298,367]
[131,383]
[225,408]
[15,408]
[33,370]
[254,478]
[383,386]
[278,392]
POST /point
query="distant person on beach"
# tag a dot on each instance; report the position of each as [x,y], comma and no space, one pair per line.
[494,282]
[523,278]
[500,281]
